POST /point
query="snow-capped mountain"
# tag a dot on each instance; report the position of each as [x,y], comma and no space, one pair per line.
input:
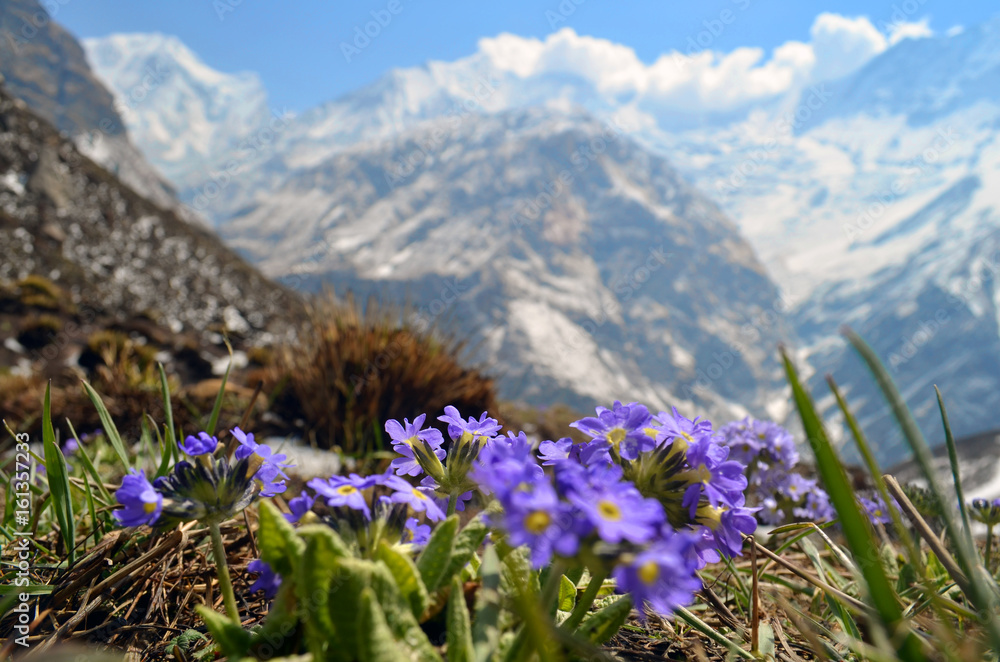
[182,114]
[580,266]
[862,169]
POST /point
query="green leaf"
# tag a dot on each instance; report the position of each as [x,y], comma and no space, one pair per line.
[567,594]
[168,410]
[436,556]
[601,625]
[314,581]
[485,633]
[407,577]
[232,640]
[279,545]
[58,479]
[375,640]
[109,425]
[279,634]
[856,528]
[469,539]
[460,648]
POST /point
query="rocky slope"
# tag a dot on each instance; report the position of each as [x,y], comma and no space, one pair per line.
[65,218]
[46,67]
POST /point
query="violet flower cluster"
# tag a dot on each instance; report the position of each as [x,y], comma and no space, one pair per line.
[783,494]
[648,500]
[207,488]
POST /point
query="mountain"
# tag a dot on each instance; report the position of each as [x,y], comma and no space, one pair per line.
[45,66]
[579,266]
[870,199]
[64,218]
[186,117]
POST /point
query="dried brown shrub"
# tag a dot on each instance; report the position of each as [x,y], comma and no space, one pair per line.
[351,371]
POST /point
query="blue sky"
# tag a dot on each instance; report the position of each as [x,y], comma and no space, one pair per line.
[297,47]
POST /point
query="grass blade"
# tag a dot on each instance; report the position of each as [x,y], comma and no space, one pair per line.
[58,479]
[857,530]
[217,407]
[109,425]
[953,460]
[88,464]
[981,588]
[168,411]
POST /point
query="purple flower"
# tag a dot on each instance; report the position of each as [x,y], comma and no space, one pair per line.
[538,519]
[485,427]
[299,506]
[676,431]
[201,445]
[270,471]
[405,436]
[505,466]
[877,512]
[142,504]
[622,428]
[344,491]
[723,529]
[71,446]
[267,580]
[553,452]
[415,533]
[247,444]
[421,499]
[663,577]
[620,512]
[720,480]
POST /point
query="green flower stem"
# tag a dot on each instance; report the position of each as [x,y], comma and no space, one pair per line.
[586,600]
[452,503]
[221,565]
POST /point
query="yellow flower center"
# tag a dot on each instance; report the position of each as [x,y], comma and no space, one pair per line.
[649,572]
[420,495]
[537,521]
[149,507]
[651,432]
[703,475]
[344,490]
[616,435]
[710,516]
[609,510]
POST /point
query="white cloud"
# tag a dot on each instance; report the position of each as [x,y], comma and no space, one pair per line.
[702,80]
[917,30]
